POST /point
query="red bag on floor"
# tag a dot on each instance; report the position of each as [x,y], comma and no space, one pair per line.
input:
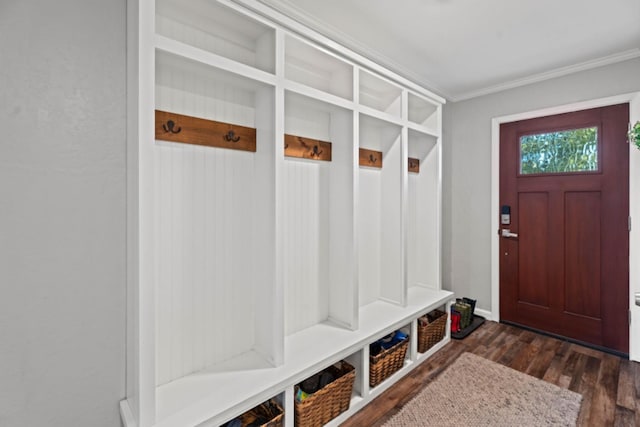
[455,321]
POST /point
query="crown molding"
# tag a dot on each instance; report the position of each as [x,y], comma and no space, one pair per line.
[548,75]
[294,12]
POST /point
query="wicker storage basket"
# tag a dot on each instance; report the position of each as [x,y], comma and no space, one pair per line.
[385,363]
[270,410]
[330,401]
[432,331]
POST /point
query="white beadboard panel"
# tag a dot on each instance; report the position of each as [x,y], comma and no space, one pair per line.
[422,218]
[217,29]
[305,219]
[307,117]
[199,247]
[216,229]
[163,178]
[206,315]
[175,232]
[391,286]
[380,270]
[304,228]
[342,262]
[268,303]
[318,227]
[369,235]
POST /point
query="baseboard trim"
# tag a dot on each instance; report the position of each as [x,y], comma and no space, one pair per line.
[484,313]
[127,417]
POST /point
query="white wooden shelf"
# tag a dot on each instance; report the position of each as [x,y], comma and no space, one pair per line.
[433,132]
[215,396]
[196,88]
[311,92]
[195,54]
[386,117]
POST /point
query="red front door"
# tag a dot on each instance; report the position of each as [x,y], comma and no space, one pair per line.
[564,262]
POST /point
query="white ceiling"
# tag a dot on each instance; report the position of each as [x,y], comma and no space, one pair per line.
[465,48]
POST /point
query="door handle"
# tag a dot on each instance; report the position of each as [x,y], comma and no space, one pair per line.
[637,294]
[505,232]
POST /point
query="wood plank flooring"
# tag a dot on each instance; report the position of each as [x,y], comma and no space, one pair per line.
[609,384]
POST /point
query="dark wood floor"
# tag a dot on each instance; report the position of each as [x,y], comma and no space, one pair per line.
[610,385]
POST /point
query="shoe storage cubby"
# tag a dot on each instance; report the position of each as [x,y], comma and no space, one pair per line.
[324,395]
[388,355]
[256,259]
[432,328]
[269,413]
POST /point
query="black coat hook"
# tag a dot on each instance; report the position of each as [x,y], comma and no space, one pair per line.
[231,137]
[169,127]
[315,152]
[372,159]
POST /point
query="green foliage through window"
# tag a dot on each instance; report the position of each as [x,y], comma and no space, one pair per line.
[574,150]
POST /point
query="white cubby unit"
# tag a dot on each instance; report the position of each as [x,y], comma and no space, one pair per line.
[261,247]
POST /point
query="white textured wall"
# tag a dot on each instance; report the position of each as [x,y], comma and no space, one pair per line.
[62,212]
[467,165]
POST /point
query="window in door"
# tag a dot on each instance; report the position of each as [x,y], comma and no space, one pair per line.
[565,151]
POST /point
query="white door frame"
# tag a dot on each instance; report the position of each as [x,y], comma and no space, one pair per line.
[634,203]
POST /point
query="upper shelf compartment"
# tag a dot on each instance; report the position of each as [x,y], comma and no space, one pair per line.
[194,89]
[318,69]
[380,94]
[217,29]
[424,113]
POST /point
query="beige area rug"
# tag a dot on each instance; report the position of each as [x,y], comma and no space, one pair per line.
[474,391]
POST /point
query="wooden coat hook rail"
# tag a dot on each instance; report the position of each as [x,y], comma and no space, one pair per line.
[306,148]
[370,158]
[414,165]
[192,130]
